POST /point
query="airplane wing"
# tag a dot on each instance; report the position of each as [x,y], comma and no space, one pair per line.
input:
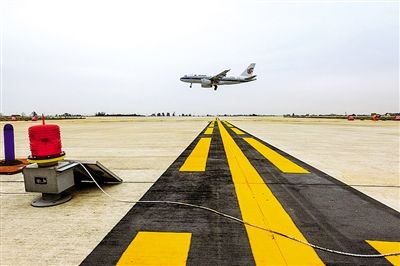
[219,76]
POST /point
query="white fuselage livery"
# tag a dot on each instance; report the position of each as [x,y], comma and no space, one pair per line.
[220,79]
[223,81]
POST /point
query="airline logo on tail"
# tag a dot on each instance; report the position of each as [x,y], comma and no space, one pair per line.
[249,70]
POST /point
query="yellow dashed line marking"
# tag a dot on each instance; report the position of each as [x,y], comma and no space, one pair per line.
[157,248]
[196,161]
[238,131]
[385,247]
[282,163]
[209,131]
[227,124]
[259,206]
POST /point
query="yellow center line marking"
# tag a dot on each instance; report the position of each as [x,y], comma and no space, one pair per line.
[259,206]
[237,131]
[209,131]
[196,161]
[282,163]
[385,247]
[157,248]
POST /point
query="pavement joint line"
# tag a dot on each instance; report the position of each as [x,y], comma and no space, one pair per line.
[268,183]
[266,250]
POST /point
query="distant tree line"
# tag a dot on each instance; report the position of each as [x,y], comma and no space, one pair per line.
[105,114]
[373,116]
[163,114]
[35,116]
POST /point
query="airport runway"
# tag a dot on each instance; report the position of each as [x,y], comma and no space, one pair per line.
[228,169]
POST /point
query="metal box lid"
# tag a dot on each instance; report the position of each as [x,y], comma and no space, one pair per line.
[99,172]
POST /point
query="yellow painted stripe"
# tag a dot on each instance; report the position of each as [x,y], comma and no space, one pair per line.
[238,131]
[259,206]
[196,161]
[157,248]
[44,161]
[385,247]
[228,124]
[282,163]
[209,131]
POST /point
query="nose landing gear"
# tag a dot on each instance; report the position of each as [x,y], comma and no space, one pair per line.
[215,87]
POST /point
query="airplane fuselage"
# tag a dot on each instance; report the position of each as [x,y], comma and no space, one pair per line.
[221,78]
[203,79]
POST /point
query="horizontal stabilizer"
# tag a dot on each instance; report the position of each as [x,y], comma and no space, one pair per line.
[251,77]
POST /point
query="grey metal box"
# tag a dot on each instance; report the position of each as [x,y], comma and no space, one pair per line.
[51,180]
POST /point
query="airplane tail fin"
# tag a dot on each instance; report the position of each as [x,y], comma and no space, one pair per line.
[249,70]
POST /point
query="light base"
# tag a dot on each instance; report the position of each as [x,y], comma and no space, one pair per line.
[48,200]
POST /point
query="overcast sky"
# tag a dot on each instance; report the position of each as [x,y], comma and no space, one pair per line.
[127,56]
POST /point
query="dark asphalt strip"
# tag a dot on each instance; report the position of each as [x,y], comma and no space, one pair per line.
[215,240]
[328,212]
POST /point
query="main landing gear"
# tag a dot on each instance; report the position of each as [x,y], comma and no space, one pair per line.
[215,87]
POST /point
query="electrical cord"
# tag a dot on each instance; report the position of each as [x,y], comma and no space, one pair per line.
[338,252]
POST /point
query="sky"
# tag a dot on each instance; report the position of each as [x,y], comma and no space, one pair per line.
[83,57]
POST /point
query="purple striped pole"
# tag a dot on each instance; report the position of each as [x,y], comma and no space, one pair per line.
[9,149]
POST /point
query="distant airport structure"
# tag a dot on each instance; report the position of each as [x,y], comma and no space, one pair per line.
[221,78]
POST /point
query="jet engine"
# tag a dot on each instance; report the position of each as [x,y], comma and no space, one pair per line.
[206,83]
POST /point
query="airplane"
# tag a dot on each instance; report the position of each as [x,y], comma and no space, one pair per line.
[221,78]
